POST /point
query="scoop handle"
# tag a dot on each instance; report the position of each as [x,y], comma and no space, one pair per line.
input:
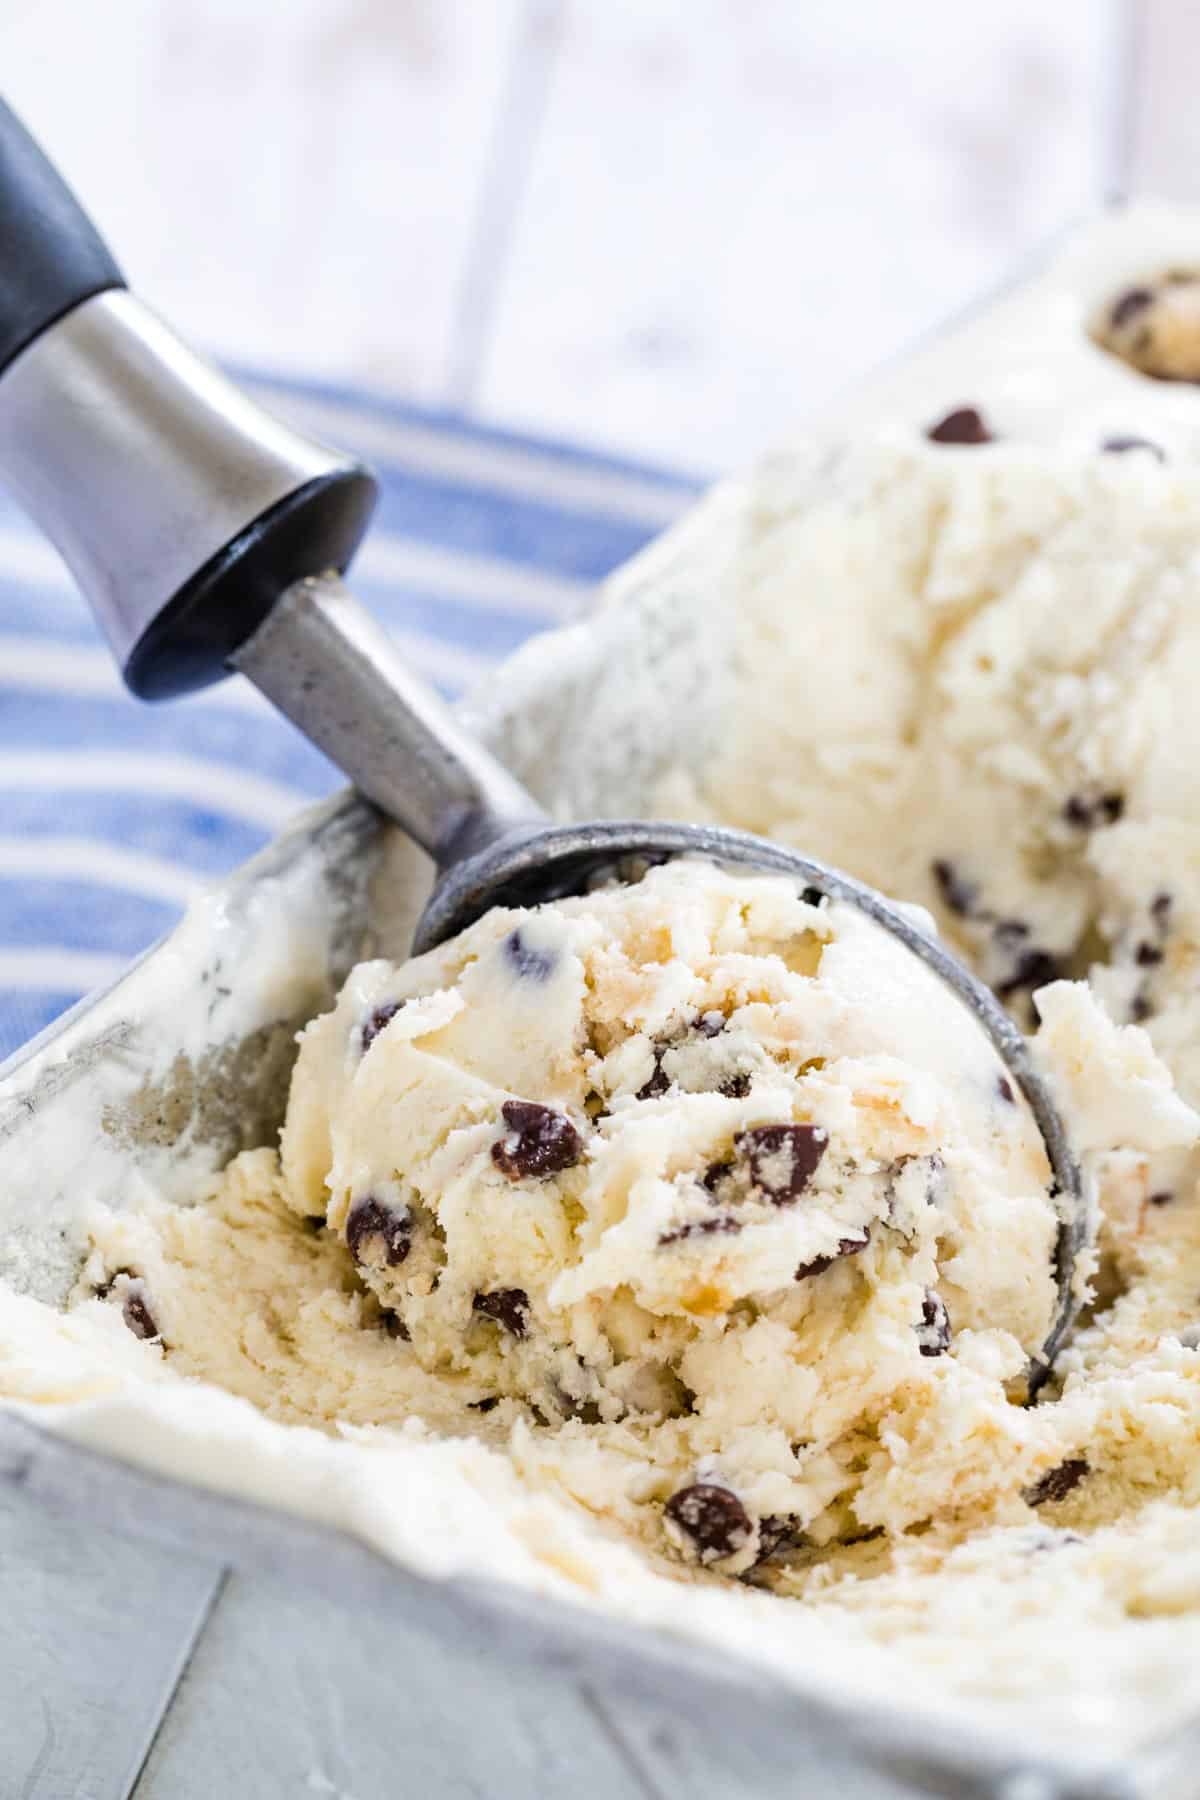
[51,255]
[182,509]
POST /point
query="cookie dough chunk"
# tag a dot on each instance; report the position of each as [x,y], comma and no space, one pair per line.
[1154,326]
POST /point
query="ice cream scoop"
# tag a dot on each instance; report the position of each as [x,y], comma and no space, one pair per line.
[209,538]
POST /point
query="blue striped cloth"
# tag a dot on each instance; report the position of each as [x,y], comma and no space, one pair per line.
[113,814]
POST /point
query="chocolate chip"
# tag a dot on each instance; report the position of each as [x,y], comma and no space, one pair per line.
[1119,445]
[819,1264]
[529,963]
[958,894]
[1146,955]
[1058,1482]
[485,1406]
[811,896]
[933,1332]
[782,1158]
[720,1222]
[1163,1197]
[370,1220]
[714,1175]
[712,1517]
[659,1082]
[137,1315]
[1004,1088]
[134,1307]
[778,1531]
[1128,305]
[735,1087]
[1087,811]
[1141,1007]
[964,425]
[507,1306]
[374,1023]
[1034,969]
[394,1325]
[539,1141]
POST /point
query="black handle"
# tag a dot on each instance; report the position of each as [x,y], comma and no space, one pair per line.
[51,255]
[181,508]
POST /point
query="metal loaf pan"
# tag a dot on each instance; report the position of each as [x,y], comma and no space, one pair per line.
[185,1060]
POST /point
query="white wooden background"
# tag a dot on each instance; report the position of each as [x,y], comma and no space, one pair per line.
[667,226]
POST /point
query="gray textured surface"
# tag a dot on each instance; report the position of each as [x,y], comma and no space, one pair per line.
[283,1697]
[94,1632]
[287,1697]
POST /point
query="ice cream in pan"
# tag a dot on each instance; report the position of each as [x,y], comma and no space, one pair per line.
[702,1199]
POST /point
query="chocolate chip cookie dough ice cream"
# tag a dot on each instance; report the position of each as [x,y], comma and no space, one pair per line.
[703,1198]
[680,1190]
[685,1243]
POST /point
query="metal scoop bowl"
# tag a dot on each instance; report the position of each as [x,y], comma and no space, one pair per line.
[210,538]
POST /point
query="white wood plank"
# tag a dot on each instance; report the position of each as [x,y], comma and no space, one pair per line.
[94,1631]
[1163,118]
[294,186]
[734,208]
[501,192]
[288,1695]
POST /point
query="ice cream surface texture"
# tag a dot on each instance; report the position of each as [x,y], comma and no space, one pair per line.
[682,1246]
[690,1184]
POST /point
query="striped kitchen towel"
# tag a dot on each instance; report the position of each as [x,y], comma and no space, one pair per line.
[113,814]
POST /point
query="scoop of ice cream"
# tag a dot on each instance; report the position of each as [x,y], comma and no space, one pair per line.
[696,1152]
[1154,325]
